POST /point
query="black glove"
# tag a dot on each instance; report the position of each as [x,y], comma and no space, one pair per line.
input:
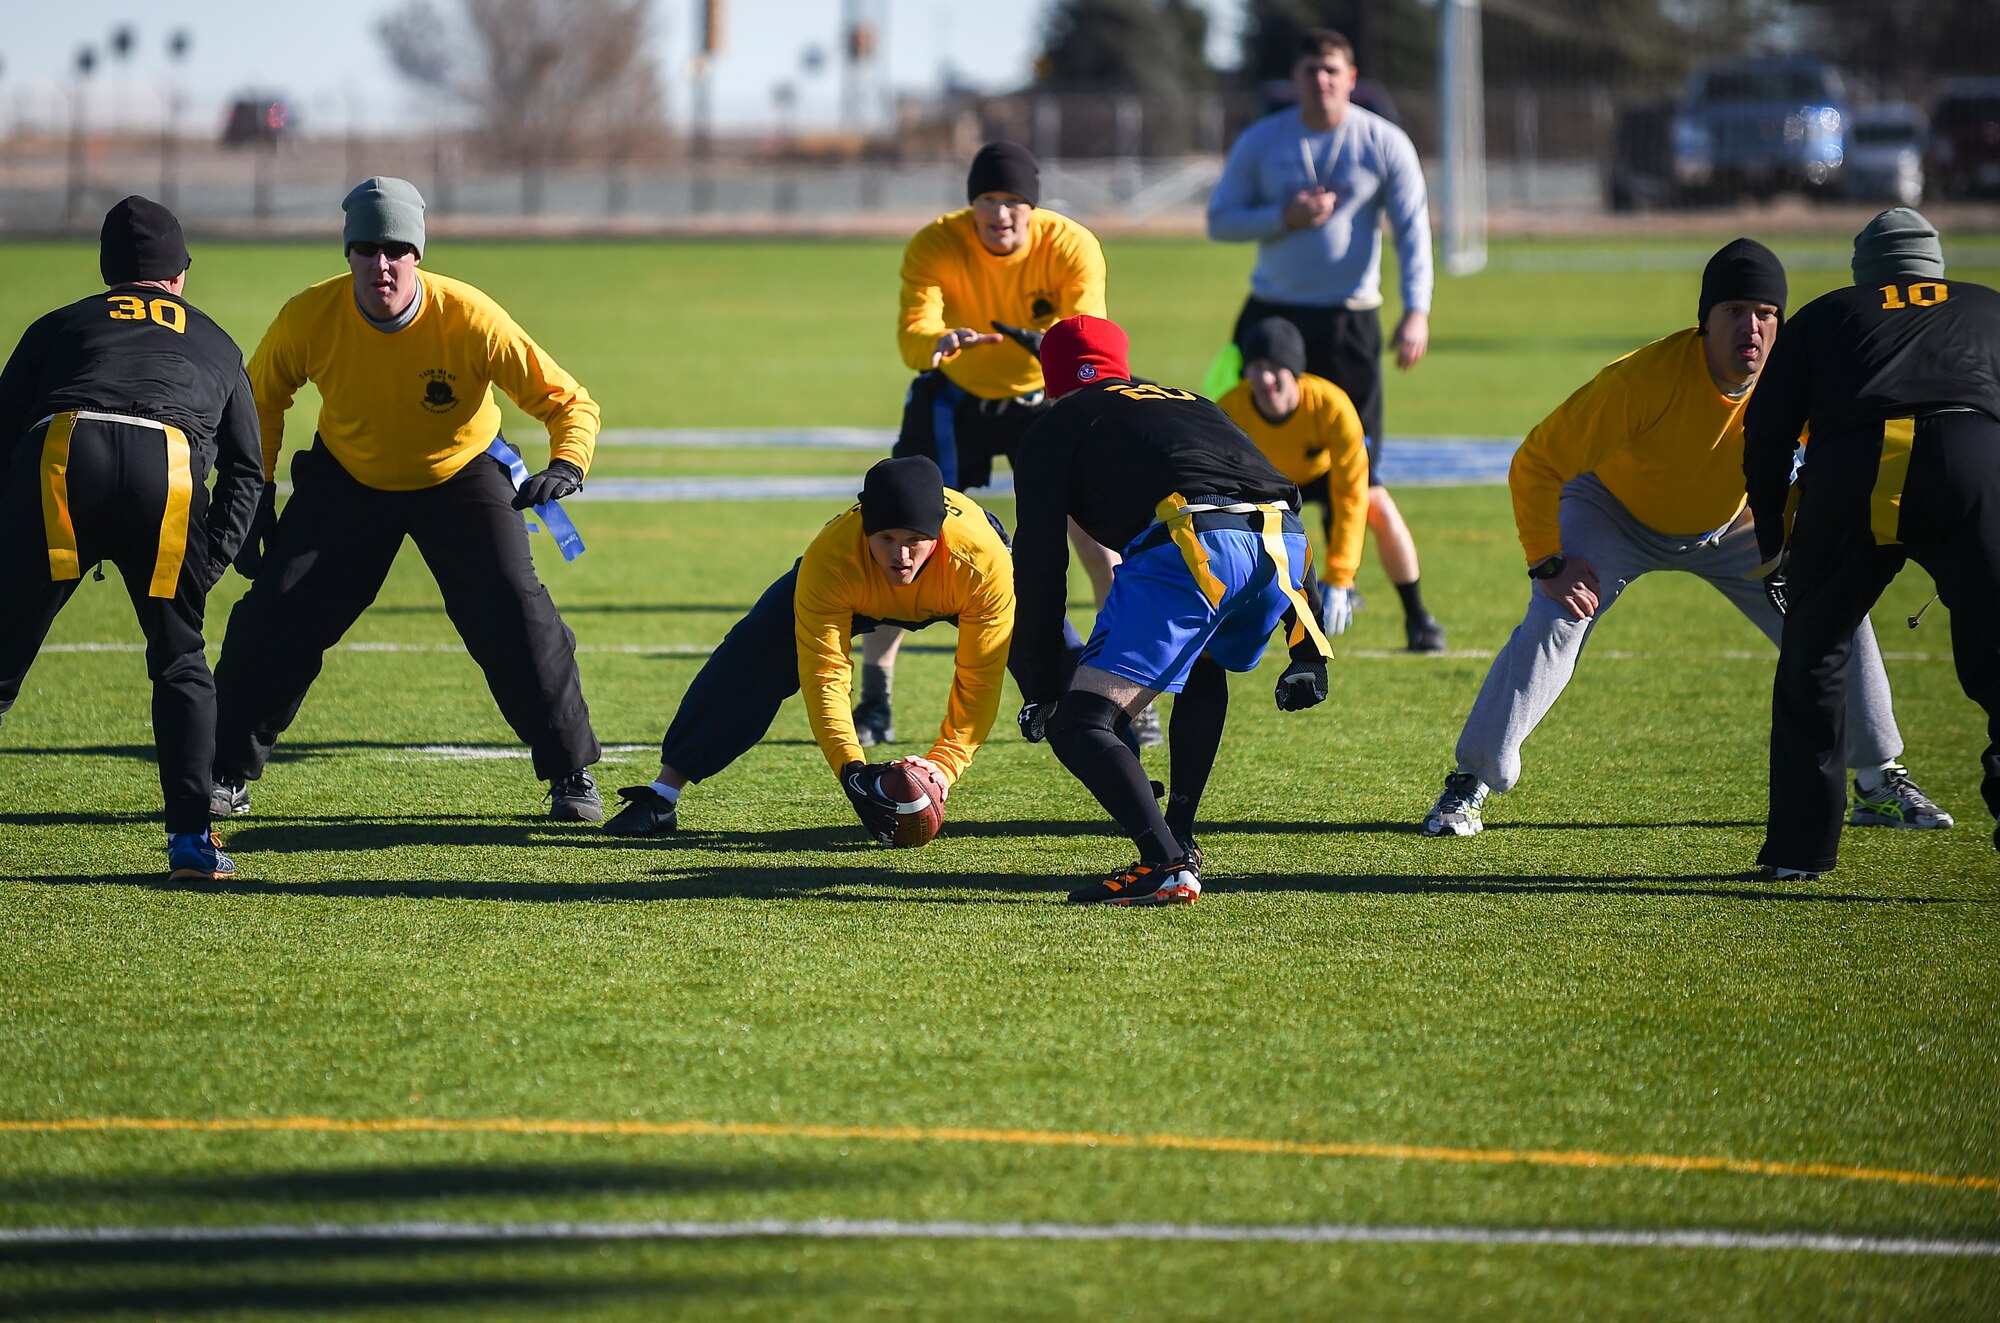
[1029,340]
[1779,591]
[1034,721]
[561,478]
[250,556]
[876,811]
[1303,685]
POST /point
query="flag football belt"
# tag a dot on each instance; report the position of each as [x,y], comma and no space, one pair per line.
[554,517]
[60,530]
[1007,402]
[1181,518]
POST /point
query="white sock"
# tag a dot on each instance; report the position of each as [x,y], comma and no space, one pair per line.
[1870,778]
[671,794]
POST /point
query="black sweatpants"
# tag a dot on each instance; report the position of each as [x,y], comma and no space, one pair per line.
[326,560]
[737,692]
[1343,345]
[1950,525]
[116,482]
[962,432]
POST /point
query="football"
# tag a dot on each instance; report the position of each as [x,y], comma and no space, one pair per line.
[919,796]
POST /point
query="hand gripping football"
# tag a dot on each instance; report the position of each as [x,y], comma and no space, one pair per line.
[918,793]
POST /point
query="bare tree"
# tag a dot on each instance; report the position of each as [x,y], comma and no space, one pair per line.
[548,80]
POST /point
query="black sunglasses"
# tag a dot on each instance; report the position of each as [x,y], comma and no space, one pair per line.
[395,252]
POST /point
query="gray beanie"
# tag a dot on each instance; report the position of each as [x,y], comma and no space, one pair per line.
[1899,242]
[384,210]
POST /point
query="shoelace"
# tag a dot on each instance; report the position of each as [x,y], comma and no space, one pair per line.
[1896,784]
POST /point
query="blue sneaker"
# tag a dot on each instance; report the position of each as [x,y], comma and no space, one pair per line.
[193,854]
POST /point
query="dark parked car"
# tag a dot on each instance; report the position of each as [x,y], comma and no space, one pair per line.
[1964,153]
[256,118]
[1641,169]
[1885,155]
[1760,125]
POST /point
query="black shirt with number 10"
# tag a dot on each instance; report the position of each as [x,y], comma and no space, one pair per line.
[1851,360]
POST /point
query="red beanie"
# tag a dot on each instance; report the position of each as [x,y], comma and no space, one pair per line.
[1082,349]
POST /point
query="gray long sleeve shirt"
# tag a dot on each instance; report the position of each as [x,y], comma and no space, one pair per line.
[1372,169]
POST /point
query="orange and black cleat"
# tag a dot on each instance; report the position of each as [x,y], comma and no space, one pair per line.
[1175,883]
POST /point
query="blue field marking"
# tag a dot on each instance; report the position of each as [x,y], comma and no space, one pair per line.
[1412,461]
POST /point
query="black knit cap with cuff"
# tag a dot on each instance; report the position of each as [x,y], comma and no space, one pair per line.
[903,493]
[1005,167]
[1275,340]
[141,240]
[1742,269]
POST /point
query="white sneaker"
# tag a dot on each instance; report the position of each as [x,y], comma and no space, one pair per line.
[1897,803]
[1457,811]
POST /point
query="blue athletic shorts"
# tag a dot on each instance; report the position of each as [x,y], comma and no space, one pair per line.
[1157,620]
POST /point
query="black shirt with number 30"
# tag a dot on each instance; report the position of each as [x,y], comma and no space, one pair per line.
[139,351]
[1854,358]
[1106,456]
[144,353]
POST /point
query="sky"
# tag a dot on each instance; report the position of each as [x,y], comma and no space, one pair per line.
[325,59]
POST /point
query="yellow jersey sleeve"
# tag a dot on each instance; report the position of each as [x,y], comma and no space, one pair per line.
[1336,426]
[823,611]
[546,393]
[276,373]
[1596,420]
[983,578]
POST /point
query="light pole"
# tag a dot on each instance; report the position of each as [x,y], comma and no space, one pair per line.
[170,131]
[86,60]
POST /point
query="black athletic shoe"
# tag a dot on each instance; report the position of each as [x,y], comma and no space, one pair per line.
[228,799]
[874,723]
[1175,883]
[646,813]
[1423,633]
[573,798]
[1773,873]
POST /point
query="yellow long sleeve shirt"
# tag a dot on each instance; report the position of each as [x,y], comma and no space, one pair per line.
[1657,433]
[1322,438]
[950,280]
[406,409]
[969,578]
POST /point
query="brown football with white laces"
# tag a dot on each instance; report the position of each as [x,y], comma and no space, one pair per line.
[918,793]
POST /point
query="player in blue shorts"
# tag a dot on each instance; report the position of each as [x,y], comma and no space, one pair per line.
[1215,559]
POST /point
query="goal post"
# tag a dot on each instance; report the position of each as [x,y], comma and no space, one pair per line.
[1462,135]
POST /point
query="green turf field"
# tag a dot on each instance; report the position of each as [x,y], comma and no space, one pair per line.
[421,1001]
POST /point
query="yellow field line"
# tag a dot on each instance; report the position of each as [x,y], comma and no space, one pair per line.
[1020,1138]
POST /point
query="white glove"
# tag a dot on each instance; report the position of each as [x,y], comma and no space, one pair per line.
[1336,610]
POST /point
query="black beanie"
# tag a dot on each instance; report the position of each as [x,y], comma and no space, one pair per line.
[141,240]
[1005,167]
[1743,269]
[1278,341]
[903,493]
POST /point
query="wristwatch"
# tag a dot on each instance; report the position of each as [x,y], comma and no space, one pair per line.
[1548,567]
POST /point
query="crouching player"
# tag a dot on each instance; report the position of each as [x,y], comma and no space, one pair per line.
[1214,558]
[909,553]
[1307,427]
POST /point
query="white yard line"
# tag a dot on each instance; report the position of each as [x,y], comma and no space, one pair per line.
[1692,1238]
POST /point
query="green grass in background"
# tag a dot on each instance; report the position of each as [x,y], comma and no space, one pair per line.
[792,334]
[409,939]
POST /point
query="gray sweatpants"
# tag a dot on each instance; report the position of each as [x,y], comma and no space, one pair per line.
[1530,672]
